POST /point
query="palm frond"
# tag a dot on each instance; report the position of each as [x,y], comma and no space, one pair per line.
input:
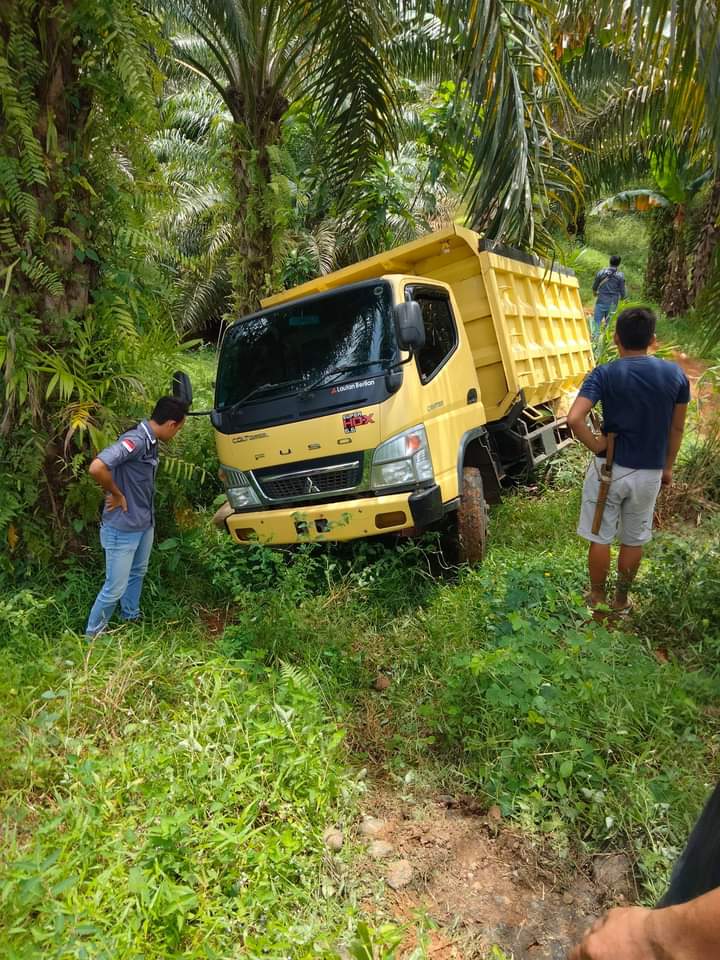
[625,200]
[354,89]
[205,300]
[502,57]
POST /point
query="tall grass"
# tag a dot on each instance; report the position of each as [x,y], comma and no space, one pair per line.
[164,792]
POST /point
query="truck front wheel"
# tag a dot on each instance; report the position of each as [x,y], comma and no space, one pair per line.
[472,518]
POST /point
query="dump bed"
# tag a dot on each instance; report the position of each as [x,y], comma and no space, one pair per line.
[525,323]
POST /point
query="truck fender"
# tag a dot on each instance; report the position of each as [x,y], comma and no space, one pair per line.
[476,451]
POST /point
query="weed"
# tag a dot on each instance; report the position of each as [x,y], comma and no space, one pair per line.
[178,821]
[166,798]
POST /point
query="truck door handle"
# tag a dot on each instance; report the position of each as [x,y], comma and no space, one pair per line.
[472,395]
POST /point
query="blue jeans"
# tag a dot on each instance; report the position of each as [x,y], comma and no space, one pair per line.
[603,311]
[126,561]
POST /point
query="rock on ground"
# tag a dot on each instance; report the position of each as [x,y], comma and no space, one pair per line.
[614,872]
[379,849]
[333,839]
[371,827]
[399,874]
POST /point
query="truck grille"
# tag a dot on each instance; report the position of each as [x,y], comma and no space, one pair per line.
[293,484]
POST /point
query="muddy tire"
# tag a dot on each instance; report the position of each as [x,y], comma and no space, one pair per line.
[472,518]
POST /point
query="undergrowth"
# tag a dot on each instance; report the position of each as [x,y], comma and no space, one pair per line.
[164,793]
[159,801]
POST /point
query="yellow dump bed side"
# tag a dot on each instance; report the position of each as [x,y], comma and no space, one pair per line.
[525,324]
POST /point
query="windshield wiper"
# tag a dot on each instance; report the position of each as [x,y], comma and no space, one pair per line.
[256,391]
[327,378]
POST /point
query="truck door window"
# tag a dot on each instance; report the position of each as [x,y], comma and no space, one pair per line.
[440,332]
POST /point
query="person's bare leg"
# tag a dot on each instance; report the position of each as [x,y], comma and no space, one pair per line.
[599,567]
[627,567]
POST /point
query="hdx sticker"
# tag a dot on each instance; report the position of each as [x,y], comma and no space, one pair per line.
[351,421]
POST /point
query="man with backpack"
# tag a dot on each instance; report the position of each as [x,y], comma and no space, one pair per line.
[609,288]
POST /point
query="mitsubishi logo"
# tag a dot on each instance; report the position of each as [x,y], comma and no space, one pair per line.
[310,486]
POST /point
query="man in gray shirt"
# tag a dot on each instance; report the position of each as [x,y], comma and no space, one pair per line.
[609,288]
[126,472]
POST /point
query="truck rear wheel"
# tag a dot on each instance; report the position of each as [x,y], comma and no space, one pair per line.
[472,518]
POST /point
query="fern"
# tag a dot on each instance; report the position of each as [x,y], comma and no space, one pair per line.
[22,204]
[183,469]
[41,275]
[290,673]
[8,242]
[19,117]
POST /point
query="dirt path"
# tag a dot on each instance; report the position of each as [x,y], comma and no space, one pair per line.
[702,388]
[484,884]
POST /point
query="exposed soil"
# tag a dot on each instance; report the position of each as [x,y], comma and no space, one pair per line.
[702,389]
[482,883]
[214,621]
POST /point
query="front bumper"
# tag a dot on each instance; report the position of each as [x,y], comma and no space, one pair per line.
[348,520]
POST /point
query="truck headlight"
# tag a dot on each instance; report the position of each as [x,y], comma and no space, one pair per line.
[402,460]
[237,488]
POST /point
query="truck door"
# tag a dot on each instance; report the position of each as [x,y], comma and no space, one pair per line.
[448,383]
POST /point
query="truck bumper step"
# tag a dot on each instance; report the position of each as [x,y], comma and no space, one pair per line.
[348,520]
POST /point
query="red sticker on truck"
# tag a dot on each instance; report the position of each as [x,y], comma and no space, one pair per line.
[351,421]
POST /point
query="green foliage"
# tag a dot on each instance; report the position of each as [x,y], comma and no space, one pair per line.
[82,322]
[188,802]
[573,728]
[556,716]
[371,944]
[682,592]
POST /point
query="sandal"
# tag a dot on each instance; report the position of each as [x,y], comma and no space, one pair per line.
[592,605]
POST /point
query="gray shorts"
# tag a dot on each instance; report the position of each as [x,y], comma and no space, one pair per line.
[629,506]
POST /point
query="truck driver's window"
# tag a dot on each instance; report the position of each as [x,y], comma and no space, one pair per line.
[440,332]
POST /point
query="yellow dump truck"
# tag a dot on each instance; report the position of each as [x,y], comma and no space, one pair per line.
[396,393]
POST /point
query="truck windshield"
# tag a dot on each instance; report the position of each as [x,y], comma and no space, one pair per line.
[284,350]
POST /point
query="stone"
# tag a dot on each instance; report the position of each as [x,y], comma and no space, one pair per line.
[494,813]
[222,514]
[371,827]
[399,874]
[382,682]
[568,899]
[379,849]
[614,872]
[333,839]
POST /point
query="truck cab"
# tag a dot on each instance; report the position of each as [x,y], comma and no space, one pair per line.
[395,394]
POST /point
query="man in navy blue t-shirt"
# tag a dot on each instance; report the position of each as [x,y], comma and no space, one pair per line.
[644,402]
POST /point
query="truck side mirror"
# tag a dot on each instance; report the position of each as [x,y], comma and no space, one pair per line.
[182,387]
[409,326]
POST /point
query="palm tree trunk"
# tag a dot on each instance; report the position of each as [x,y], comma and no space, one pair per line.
[253,270]
[707,241]
[676,293]
[660,245]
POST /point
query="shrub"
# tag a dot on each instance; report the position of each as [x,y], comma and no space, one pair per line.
[197,831]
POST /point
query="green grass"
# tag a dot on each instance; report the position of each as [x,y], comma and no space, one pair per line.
[160,801]
[608,234]
[164,794]
[627,236]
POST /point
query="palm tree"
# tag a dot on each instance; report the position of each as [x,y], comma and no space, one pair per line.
[707,243]
[506,58]
[259,58]
[196,234]
[652,117]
